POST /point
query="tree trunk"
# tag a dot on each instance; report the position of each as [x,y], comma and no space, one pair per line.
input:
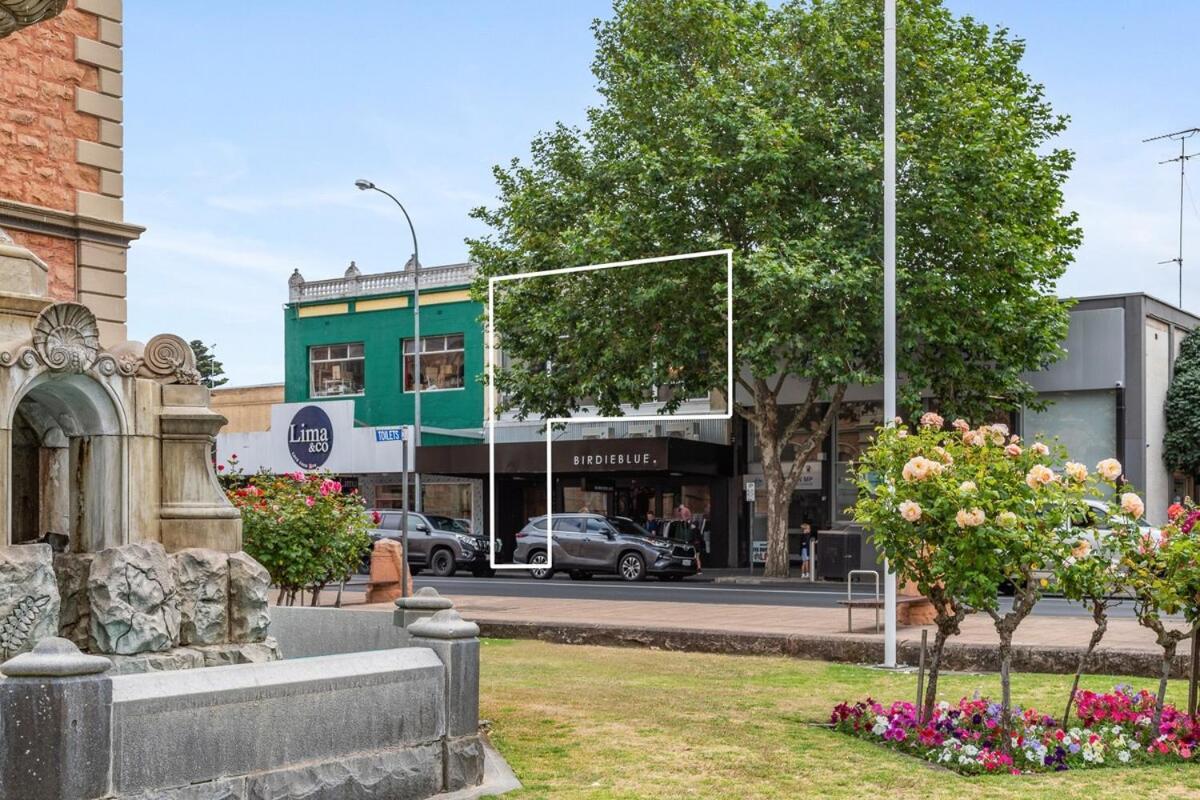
[935,666]
[1100,616]
[1006,688]
[1168,657]
[778,563]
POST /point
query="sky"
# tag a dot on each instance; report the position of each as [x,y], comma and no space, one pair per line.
[244,134]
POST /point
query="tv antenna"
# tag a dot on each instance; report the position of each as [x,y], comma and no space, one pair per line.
[1182,158]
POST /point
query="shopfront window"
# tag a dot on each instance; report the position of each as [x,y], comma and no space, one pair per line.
[856,425]
[442,363]
[1084,422]
[451,500]
[579,500]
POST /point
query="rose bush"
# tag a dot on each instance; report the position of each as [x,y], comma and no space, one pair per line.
[302,528]
[961,512]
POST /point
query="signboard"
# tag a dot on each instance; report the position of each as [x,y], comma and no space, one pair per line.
[758,552]
[389,434]
[810,476]
[310,437]
[751,487]
[319,436]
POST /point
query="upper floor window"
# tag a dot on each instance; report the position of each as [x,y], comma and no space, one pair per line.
[443,365]
[336,369]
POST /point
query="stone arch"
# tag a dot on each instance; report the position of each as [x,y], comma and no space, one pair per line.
[68,462]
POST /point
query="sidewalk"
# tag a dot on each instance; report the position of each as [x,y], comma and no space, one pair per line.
[1041,644]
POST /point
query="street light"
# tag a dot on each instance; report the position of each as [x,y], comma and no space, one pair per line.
[366,185]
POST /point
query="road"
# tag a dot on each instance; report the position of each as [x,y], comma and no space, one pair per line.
[820,595]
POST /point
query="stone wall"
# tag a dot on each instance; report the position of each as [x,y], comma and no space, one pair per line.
[61,132]
[385,725]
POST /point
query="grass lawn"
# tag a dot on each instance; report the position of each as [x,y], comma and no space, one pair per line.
[597,722]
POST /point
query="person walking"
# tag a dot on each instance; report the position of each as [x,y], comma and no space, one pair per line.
[806,550]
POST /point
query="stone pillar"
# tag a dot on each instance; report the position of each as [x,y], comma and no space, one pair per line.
[55,484]
[456,642]
[195,511]
[422,605]
[55,724]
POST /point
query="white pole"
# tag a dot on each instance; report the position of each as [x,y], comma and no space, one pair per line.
[889,287]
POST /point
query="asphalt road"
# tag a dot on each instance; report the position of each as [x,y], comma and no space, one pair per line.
[820,595]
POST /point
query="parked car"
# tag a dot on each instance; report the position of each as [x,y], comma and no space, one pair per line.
[437,543]
[592,544]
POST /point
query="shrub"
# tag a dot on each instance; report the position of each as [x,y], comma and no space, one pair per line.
[302,528]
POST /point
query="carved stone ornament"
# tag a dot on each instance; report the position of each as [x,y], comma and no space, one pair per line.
[169,356]
[66,337]
[17,14]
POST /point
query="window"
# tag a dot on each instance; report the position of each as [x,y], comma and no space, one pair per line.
[442,363]
[336,369]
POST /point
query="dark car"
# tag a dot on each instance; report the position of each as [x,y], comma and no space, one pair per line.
[440,544]
[591,544]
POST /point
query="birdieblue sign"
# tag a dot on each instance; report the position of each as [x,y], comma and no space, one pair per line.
[310,437]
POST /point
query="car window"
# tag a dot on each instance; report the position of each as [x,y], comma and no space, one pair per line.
[390,522]
[445,523]
[596,526]
[568,524]
[626,526]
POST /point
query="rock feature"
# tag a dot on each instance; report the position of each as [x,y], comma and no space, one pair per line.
[249,583]
[134,600]
[29,599]
[72,571]
[203,580]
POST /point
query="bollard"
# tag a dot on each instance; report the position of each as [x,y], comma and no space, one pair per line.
[456,642]
[55,724]
[387,565]
[422,605]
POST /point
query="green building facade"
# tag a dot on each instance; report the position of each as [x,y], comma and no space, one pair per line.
[343,340]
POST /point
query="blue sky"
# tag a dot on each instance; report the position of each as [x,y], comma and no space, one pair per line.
[243,139]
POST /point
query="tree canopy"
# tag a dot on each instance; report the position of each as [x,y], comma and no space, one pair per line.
[1181,444]
[730,123]
[212,372]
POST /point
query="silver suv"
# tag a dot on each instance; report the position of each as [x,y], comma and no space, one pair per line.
[440,544]
[591,544]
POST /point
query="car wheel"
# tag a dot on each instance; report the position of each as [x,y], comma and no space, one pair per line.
[540,573]
[483,572]
[442,563]
[632,567]
[580,575]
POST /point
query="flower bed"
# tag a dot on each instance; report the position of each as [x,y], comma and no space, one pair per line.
[1114,729]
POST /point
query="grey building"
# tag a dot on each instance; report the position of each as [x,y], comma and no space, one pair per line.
[1104,398]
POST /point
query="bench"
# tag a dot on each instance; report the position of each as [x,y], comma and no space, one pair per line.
[875,603]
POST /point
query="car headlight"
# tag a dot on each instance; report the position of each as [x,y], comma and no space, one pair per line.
[467,542]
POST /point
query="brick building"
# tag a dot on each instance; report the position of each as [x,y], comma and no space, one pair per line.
[61,140]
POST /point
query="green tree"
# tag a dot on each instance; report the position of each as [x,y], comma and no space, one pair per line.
[1181,445]
[212,372]
[729,123]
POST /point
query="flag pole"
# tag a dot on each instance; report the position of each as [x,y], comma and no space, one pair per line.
[889,287]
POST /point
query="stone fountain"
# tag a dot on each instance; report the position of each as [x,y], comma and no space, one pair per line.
[105,456]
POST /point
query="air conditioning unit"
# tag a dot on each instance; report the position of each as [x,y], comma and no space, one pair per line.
[682,430]
[636,431]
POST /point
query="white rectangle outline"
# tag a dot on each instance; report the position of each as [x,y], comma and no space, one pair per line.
[491,390]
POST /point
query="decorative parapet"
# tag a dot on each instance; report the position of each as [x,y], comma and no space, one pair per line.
[356,284]
[17,14]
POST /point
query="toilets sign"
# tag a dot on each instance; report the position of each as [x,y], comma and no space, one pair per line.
[310,437]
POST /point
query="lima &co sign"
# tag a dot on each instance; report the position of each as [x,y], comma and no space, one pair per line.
[310,437]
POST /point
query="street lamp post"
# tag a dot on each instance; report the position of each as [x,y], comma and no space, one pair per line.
[365,185]
[889,288]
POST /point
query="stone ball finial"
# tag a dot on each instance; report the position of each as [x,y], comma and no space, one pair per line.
[54,657]
[446,624]
[424,599]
